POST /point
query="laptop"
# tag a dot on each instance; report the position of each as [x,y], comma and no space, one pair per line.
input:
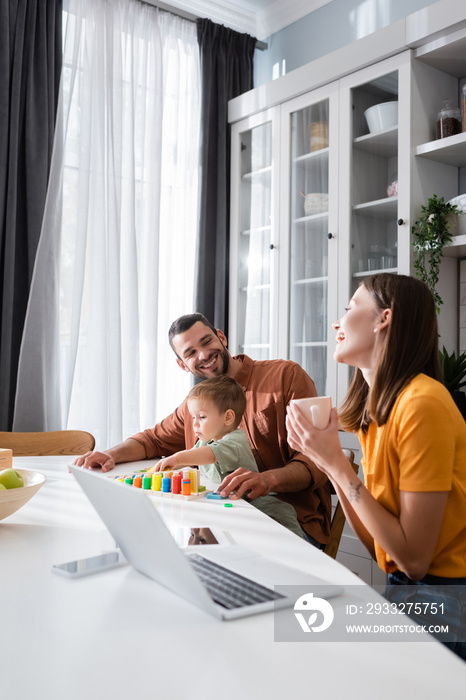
[227,581]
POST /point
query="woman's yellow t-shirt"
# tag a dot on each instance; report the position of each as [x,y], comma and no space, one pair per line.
[422,447]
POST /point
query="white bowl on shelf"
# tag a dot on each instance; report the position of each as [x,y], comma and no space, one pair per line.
[382,116]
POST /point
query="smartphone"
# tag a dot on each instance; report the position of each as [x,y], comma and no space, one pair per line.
[90,565]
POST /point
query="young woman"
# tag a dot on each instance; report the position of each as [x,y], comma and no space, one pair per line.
[411,512]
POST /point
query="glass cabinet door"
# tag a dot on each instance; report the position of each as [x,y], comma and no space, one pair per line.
[309,241]
[374,178]
[310,235]
[252,292]
[376,187]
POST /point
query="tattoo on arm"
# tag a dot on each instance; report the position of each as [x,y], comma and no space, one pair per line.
[354,492]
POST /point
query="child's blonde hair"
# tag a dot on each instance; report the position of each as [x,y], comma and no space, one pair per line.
[224,392]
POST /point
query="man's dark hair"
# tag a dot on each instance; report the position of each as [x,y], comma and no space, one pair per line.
[184,323]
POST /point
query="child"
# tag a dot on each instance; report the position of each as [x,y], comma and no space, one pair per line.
[217,406]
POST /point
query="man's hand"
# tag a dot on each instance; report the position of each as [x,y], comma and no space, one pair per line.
[96,459]
[129,451]
[242,481]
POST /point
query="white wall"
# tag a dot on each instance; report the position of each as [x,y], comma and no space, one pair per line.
[329,28]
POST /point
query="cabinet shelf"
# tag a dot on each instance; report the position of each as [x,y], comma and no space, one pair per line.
[446,53]
[255,288]
[368,273]
[457,248]
[450,150]
[384,143]
[312,217]
[385,209]
[257,174]
[310,344]
[310,280]
[256,229]
[317,157]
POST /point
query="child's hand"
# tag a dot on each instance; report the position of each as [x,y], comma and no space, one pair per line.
[166,464]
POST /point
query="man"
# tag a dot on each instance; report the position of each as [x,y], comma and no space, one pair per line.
[269,387]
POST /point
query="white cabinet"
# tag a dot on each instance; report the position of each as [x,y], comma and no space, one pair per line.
[318,203]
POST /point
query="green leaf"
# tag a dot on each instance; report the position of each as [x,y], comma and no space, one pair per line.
[453,369]
[430,233]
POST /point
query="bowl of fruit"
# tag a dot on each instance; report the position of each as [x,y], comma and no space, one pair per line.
[17,487]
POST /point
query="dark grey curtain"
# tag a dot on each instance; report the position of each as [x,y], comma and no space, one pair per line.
[226,72]
[30,67]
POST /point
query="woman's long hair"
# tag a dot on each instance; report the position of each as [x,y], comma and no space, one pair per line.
[411,348]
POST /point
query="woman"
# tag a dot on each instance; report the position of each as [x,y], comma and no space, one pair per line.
[411,514]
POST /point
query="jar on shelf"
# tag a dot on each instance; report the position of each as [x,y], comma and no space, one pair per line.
[448,120]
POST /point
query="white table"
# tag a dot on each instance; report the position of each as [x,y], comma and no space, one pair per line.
[119,635]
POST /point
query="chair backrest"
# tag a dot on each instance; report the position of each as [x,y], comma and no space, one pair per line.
[338,520]
[54,442]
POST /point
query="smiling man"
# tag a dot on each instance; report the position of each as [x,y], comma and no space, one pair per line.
[269,386]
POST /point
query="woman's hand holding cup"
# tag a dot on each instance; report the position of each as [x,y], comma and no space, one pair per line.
[312,428]
[319,408]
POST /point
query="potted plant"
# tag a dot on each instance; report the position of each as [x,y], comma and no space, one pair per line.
[431,232]
[454,376]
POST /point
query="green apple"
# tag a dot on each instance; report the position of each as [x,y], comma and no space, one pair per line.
[2,487]
[11,479]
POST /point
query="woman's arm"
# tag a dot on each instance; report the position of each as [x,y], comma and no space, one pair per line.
[357,526]
[411,539]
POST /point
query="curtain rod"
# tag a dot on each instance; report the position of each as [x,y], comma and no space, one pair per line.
[261,45]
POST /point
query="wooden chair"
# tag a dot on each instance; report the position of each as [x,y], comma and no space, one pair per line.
[54,442]
[338,519]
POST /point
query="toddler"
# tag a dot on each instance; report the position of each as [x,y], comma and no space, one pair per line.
[216,406]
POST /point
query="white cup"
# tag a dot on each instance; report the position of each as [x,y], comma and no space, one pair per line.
[318,407]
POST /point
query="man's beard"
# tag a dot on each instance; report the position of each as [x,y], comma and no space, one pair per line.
[225,363]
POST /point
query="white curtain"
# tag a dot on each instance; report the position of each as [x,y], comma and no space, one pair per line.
[115,264]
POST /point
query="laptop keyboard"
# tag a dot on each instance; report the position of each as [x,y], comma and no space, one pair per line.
[227,588]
